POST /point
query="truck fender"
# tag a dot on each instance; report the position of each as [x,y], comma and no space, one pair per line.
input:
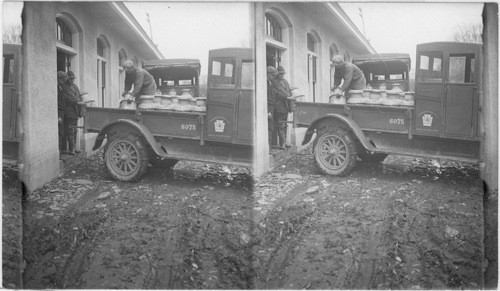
[138,127]
[338,119]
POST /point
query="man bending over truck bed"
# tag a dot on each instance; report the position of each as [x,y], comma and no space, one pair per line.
[354,79]
[144,83]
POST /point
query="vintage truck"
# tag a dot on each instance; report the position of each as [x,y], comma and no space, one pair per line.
[443,123]
[221,134]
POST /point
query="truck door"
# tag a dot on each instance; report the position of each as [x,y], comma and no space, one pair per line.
[221,101]
[230,100]
[11,88]
[460,94]
[245,117]
[429,92]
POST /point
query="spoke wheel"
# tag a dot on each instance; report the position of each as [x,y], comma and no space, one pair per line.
[126,156]
[335,151]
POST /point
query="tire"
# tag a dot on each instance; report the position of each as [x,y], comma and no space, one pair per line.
[164,164]
[335,151]
[372,158]
[126,156]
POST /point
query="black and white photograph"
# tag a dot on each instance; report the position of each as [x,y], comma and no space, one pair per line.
[249,145]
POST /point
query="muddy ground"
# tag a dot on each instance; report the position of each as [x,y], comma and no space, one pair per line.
[405,224]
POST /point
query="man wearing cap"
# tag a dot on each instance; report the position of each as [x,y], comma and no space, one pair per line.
[283,108]
[144,83]
[73,100]
[62,77]
[353,77]
[72,112]
[271,99]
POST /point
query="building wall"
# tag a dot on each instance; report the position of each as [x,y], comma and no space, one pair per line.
[301,22]
[39,149]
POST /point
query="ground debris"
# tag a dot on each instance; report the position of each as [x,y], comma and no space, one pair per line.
[104,195]
[83,182]
[312,190]
[451,232]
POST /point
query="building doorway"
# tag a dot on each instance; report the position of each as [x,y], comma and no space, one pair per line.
[273,56]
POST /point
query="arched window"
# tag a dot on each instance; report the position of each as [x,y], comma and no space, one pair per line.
[122,57]
[312,63]
[66,42]
[333,50]
[347,57]
[63,32]
[311,43]
[102,48]
[273,28]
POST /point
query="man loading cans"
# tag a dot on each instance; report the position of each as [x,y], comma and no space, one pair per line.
[144,83]
[353,77]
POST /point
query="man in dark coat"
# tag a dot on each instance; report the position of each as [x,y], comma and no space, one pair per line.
[353,77]
[282,110]
[271,99]
[144,83]
[62,77]
[71,111]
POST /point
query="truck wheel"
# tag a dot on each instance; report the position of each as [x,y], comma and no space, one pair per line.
[375,158]
[126,156]
[335,151]
[165,164]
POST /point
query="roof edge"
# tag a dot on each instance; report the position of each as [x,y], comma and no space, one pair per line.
[127,16]
[340,13]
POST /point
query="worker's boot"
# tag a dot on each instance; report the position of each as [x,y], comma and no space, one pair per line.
[72,140]
[282,139]
[63,145]
[74,150]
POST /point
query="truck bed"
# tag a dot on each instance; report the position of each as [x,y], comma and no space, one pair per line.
[395,119]
[161,123]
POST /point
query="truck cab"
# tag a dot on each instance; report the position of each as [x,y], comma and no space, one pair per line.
[447,90]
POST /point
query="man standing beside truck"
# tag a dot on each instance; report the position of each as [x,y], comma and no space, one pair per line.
[144,83]
[72,100]
[353,77]
[62,77]
[283,108]
[271,99]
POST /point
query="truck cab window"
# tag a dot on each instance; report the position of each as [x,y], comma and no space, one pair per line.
[247,75]
[461,69]
[228,71]
[430,67]
[216,68]
[222,74]
[8,68]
